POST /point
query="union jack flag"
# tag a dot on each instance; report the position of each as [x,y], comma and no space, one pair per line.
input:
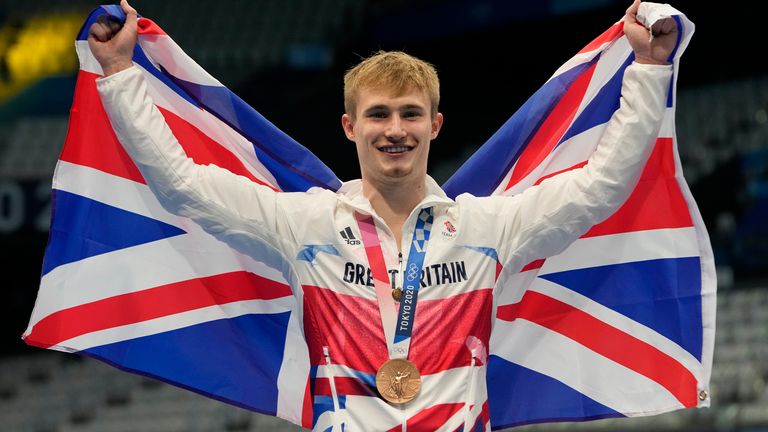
[620,324]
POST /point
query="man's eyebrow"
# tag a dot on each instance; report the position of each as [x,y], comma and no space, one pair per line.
[412,106]
[385,107]
[377,107]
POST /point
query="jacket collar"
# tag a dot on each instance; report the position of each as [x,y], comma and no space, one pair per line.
[351,192]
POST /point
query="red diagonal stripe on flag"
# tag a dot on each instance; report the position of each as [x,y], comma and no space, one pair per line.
[204,150]
[148,27]
[605,340]
[154,303]
[657,201]
[615,32]
[89,129]
[552,129]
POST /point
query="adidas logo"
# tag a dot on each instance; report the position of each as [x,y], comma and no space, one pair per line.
[349,237]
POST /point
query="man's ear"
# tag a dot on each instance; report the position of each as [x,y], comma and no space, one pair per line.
[348,125]
[437,123]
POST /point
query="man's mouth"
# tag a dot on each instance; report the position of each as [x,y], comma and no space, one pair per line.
[395,149]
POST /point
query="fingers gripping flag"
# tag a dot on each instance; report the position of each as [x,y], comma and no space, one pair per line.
[627,310]
[622,322]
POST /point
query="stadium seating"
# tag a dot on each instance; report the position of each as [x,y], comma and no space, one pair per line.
[31,146]
[720,121]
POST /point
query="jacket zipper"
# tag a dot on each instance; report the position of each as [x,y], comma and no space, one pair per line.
[470,393]
[334,394]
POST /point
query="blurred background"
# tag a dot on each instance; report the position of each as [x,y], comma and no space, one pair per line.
[286,58]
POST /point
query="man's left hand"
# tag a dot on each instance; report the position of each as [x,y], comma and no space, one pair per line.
[649,50]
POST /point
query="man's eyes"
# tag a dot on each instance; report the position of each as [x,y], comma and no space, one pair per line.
[410,114]
[378,114]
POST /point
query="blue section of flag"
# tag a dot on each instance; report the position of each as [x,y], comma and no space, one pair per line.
[497,156]
[294,167]
[680,32]
[210,358]
[662,294]
[600,109]
[479,426]
[537,397]
[114,10]
[141,59]
[82,228]
[323,404]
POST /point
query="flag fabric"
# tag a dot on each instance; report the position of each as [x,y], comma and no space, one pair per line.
[620,324]
[128,283]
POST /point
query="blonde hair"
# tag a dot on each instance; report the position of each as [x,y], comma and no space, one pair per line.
[391,70]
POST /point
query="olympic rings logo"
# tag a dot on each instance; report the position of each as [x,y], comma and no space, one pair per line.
[413,272]
[398,350]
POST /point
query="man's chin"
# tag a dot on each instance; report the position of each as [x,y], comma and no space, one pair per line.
[398,172]
[389,176]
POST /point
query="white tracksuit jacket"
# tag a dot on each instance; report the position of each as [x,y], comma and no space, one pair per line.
[472,238]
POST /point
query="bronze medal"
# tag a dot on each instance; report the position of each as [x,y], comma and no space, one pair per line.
[397,293]
[398,381]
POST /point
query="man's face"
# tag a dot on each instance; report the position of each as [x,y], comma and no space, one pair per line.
[392,133]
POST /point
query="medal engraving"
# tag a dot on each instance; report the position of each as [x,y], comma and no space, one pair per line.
[398,381]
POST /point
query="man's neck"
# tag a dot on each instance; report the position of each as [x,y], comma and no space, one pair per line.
[393,202]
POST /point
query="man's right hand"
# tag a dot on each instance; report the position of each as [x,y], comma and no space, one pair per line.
[112,43]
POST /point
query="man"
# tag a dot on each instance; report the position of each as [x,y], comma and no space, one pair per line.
[385,301]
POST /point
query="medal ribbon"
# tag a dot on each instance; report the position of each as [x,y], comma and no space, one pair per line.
[380,276]
[397,327]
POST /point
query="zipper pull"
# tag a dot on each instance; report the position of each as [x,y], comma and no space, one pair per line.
[397,292]
[393,274]
[327,356]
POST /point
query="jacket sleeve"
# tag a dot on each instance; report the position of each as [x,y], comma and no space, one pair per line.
[545,219]
[226,205]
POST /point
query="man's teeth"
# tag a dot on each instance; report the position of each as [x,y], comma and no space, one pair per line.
[398,149]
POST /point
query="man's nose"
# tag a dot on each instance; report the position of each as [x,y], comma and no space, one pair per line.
[395,129]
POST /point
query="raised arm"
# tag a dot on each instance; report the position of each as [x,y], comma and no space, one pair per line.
[220,201]
[545,219]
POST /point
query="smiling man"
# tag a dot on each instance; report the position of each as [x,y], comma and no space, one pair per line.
[397,320]
[391,101]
